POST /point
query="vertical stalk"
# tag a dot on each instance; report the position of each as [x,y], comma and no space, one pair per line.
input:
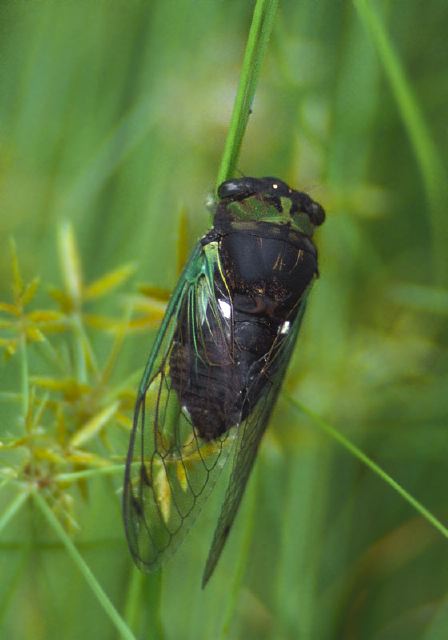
[260,31]
[13,508]
[356,452]
[426,153]
[83,567]
[24,376]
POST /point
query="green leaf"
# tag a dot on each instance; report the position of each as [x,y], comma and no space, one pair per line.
[29,291]
[33,334]
[87,459]
[102,323]
[63,299]
[159,294]
[9,308]
[17,282]
[108,282]
[70,387]
[44,316]
[70,262]
[94,425]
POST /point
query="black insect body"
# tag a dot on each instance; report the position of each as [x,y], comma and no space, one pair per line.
[267,273]
[218,363]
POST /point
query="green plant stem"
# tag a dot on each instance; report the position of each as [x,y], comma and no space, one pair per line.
[24,376]
[12,584]
[244,553]
[85,357]
[51,355]
[134,597]
[260,31]
[13,508]
[143,603]
[110,470]
[438,625]
[4,482]
[373,466]
[152,596]
[80,359]
[93,583]
[10,396]
[426,153]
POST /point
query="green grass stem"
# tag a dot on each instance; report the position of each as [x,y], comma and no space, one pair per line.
[24,376]
[373,466]
[83,567]
[260,31]
[13,508]
[243,555]
[74,476]
[132,610]
[426,152]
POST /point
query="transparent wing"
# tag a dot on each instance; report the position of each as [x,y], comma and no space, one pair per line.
[170,469]
[250,433]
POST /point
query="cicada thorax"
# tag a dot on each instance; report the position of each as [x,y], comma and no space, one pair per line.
[267,268]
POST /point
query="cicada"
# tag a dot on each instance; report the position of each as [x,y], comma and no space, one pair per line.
[217,363]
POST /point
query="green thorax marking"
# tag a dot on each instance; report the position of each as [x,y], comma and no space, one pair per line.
[254,209]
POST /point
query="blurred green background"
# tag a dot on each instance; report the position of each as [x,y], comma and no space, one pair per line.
[113,115]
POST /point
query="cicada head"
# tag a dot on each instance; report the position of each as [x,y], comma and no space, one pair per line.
[270,200]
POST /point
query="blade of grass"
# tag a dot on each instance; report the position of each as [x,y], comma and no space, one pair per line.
[4,482]
[10,396]
[24,375]
[360,455]
[439,624]
[13,508]
[241,565]
[132,609]
[152,599]
[13,583]
[90,473]
[115,148]
[143,603]
[83,567]
[426,153]
[260,31]
[296,566]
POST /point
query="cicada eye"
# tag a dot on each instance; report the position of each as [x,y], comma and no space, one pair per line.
[317,214]
[275,187]
[303,203]
[238,188]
